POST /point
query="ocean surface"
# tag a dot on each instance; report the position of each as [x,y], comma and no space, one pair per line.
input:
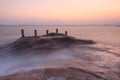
[102,58]
[105,34]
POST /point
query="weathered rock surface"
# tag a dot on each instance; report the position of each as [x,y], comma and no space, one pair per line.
[45,42]
[54,74]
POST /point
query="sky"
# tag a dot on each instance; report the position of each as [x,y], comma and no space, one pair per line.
[59,12]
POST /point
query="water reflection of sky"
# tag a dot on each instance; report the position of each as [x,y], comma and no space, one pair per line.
[106,34]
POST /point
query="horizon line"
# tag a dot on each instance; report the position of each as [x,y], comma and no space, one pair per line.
[59,24]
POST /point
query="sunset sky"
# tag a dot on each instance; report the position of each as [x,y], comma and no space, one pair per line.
[59,11]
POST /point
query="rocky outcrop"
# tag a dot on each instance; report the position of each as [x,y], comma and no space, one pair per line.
[54,74]
[45,42]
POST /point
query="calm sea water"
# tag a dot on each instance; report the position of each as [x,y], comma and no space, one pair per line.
[106,34]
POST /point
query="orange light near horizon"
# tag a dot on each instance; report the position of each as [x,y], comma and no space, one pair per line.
[62,10]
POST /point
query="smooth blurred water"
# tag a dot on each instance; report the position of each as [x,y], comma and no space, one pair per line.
[103,57]
[105,34]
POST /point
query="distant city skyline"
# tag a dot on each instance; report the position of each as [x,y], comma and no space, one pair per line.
[59,12]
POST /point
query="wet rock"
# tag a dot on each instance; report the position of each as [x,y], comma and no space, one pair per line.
[50,41]
[54,74]
[55,78]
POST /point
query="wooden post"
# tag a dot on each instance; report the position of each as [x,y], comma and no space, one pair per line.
[66,33]
[47,32]
[56,31]
[22,33]
[35,33]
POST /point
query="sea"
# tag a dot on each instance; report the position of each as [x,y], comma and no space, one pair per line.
[105,34]
[102,58]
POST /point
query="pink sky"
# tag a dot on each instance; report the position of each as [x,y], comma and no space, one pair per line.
[59,11]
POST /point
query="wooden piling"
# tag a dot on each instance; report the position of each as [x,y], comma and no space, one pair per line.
[47,32]
[35,33]
[56,31]
[22,33]
[66,33]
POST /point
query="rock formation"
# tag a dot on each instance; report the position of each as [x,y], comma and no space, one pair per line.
[54,74]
